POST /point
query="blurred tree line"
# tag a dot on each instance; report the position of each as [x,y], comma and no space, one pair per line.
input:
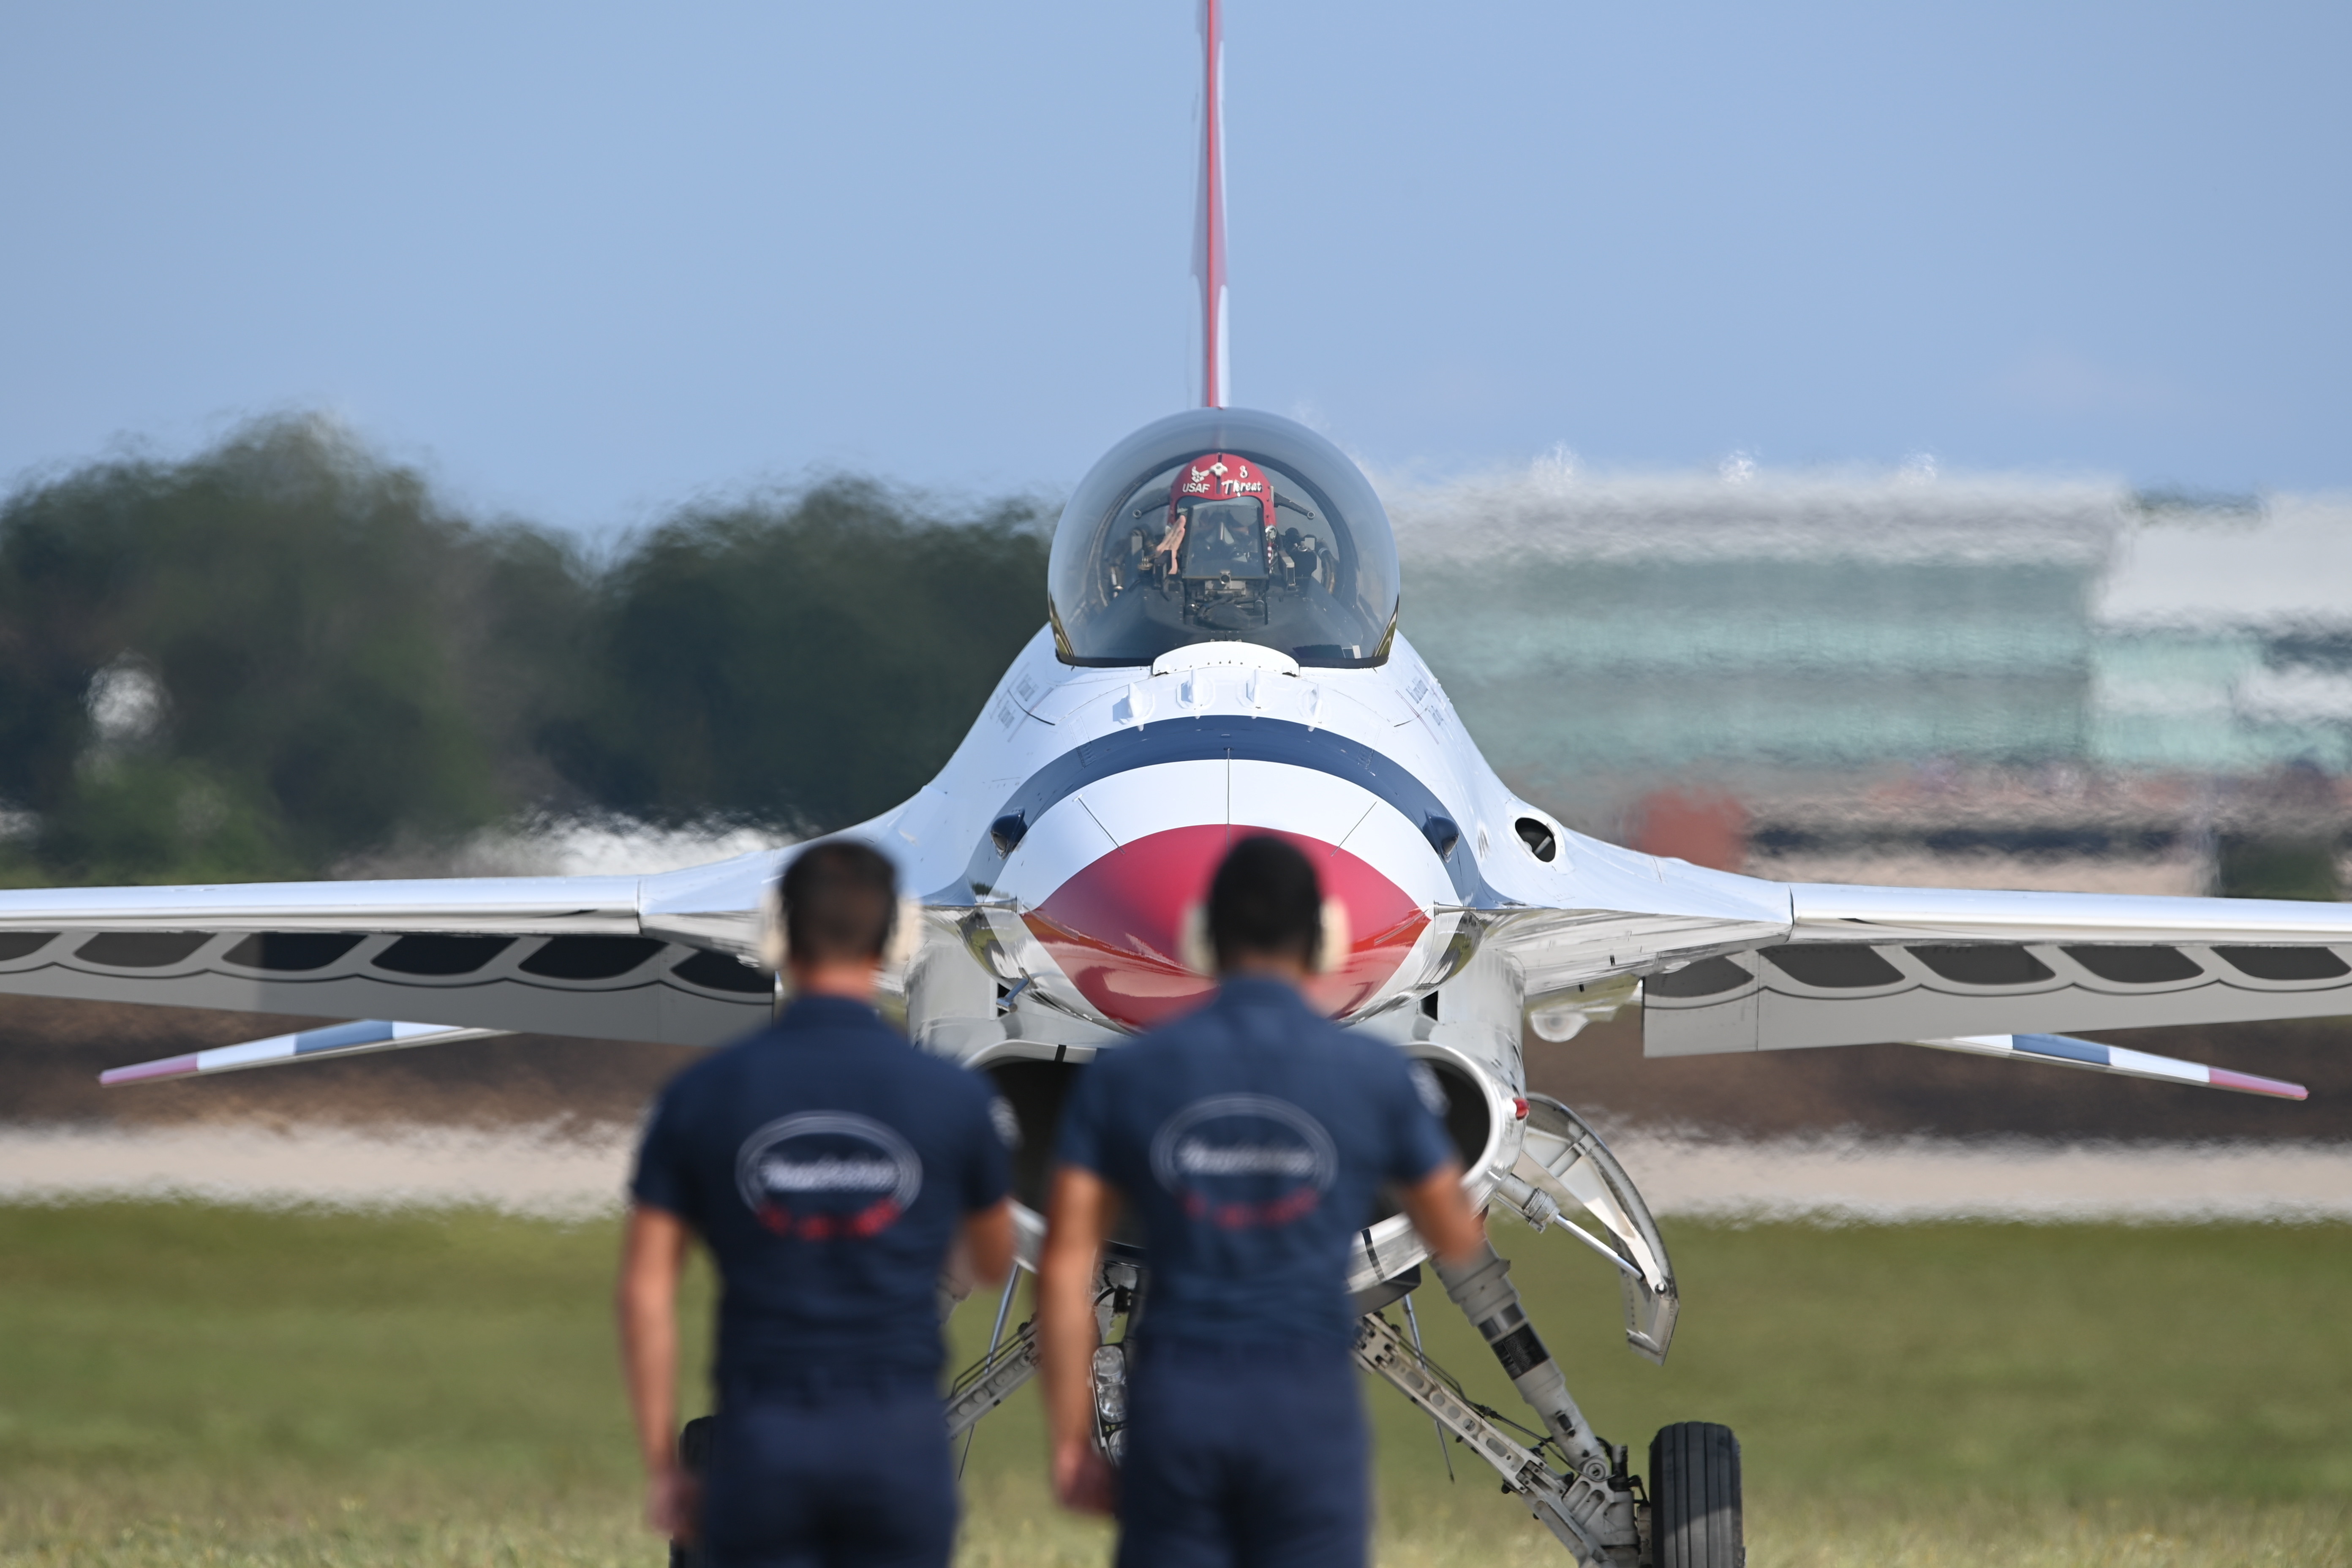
[286,653]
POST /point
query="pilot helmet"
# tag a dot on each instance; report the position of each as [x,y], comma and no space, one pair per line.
[1220,476]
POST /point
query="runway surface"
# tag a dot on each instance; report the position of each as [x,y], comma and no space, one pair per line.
[563,1171]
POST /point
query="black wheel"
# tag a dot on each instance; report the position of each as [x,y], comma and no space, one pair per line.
[1694,1511]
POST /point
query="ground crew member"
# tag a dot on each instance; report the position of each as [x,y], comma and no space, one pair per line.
[1250,1139]
[830,1167]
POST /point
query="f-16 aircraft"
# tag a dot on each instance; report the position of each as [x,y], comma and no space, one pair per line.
[1223,657]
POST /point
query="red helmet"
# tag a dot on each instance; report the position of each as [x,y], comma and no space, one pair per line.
[1222,475]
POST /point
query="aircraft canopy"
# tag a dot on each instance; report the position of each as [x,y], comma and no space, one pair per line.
[1225,525]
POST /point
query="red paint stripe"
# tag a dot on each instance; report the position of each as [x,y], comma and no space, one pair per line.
[169,1067]
[1212,222]
[2247,1083]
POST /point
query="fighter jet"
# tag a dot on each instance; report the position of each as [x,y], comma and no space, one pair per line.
[1223,657]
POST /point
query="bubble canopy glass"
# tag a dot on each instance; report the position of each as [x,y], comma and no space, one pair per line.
[1224,525]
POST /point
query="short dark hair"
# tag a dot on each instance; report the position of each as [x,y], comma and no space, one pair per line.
[840,898]
[1265,899]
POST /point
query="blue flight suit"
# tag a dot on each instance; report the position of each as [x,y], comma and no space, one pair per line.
[829,1166]
[1250,1139]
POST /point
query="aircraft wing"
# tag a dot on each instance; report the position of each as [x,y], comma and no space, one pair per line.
[656,958]
[1861,965]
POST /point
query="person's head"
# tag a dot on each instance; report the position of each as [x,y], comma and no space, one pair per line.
[840,902]
[1265,908]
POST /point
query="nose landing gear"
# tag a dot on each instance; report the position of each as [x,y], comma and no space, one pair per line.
[1580,1486]
[1695,1508]
[1571,1479]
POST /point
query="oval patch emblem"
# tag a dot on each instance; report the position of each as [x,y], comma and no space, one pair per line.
[822,1175]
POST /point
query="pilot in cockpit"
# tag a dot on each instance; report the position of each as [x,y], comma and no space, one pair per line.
[1220,524]
[1166,552]
[1218,518]
[1182,548]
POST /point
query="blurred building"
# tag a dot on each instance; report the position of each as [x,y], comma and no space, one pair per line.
[1905,676]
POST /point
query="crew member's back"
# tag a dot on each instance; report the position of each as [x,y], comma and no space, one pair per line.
[1251,1140]
[830,1168]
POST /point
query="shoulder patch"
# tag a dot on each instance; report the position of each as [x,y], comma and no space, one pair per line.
[1431,1093]
[1007,1125]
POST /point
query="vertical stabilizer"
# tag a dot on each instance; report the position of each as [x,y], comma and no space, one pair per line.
[1209,230]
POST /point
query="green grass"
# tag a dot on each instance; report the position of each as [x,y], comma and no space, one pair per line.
[187,1384]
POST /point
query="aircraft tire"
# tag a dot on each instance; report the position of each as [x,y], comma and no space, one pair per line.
[1695,1508]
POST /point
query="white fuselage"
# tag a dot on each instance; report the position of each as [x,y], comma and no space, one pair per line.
[1067,841]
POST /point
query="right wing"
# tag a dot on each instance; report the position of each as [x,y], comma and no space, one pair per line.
[666,958]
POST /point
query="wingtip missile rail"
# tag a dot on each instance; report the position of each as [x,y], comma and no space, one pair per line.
[2064,1050]
[353,1039]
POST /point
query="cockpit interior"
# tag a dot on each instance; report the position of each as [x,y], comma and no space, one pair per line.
[1224,524]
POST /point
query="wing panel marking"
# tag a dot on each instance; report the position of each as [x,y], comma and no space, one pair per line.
[291,952]
[589,957]
[16,945]
[441,957]
[1708,977]
[140,949]
[2135,965]
[1970,965]
[2285,963]
[1833,968]
[718,971]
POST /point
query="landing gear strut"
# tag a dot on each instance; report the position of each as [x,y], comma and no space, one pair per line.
[1599,1522]
[1689,1517]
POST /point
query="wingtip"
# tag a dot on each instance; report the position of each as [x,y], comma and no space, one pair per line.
[141,1072]
[2248,1083]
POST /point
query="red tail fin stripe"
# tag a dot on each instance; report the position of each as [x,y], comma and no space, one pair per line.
[1211,262]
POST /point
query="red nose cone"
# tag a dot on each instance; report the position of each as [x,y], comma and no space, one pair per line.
[1116,927]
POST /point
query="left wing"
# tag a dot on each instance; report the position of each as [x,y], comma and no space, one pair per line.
[1862,964]
[1728,962]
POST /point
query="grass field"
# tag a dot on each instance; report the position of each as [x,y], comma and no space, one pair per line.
[182,1383]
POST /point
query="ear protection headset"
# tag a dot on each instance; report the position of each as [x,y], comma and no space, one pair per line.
[1197,953]
[775,952]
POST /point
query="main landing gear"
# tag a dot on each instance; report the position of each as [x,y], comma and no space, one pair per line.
[1569,1476]
[1686,1515]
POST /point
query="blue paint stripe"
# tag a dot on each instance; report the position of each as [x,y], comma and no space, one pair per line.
[2063,1046]
[366,1032]
[1228,736]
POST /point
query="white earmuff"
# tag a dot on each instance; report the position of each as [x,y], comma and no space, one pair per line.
[773,951]
[1331,951]
[1193,949]
[905,937]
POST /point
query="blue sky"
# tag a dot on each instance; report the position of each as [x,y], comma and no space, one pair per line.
[584,261]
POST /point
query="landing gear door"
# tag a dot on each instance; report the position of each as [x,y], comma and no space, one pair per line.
[1566,1161]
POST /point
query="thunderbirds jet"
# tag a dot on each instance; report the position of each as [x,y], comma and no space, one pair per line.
[1223,657]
